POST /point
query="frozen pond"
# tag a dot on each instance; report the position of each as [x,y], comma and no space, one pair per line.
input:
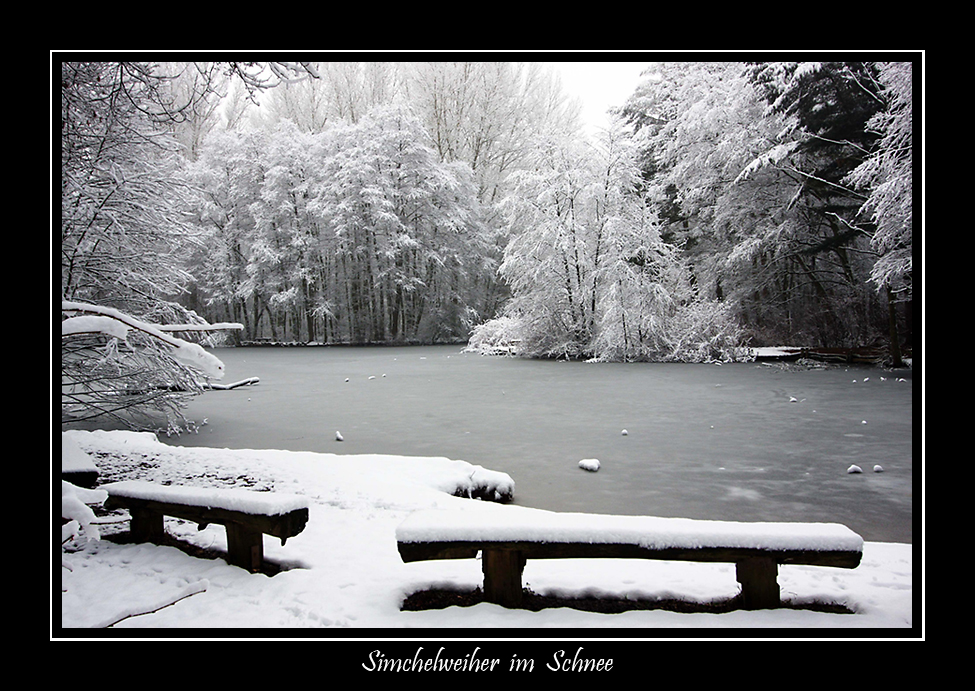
[703,441]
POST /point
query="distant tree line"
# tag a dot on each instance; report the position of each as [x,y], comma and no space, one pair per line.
[730,204]
[362,206]
[357,234]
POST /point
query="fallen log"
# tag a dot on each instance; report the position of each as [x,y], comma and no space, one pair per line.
[242,382]
[205,385]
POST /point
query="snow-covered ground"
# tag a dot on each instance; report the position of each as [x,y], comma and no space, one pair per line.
[344,569]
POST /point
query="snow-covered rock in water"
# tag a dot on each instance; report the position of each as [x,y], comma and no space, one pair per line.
[481,483]
[878,468]
[854,469]
[624,433]
[590,464]
[338,436]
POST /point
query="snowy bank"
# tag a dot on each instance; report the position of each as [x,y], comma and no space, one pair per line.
[344,571]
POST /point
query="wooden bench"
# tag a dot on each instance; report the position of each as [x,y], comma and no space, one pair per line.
[246,515]
[509,537]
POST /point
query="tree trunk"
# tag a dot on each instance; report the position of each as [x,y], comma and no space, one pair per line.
[895,346]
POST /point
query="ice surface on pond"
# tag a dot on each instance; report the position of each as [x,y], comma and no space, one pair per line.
[705,442]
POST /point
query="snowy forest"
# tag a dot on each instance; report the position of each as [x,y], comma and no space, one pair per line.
[730,204]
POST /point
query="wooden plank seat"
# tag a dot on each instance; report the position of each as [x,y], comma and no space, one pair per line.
[507,538]
[246,515]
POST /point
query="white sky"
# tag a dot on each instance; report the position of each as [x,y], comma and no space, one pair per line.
[599,85]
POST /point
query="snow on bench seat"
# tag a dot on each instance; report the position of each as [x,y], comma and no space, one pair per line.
[518,524]
[246,515]
[245,501]
[509,537]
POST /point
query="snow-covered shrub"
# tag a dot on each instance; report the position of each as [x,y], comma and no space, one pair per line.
[76,501]
[705,331]
[500,336]
[664,331]
[655,330]
[514,334]
[76,510]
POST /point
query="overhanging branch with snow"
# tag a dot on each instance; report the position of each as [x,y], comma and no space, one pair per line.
[108,321]
[106,371]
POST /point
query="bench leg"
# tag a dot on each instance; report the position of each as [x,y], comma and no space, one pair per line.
[502,576]
[146,525]
[245,547]
[759,588]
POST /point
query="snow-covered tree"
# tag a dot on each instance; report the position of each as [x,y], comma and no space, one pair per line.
[487,113]
[706,126]
[126,232]
[829,105]
[650,308]
[229,172]
[359,233]
[888,175]
[285,234]
[407,228]
[341,91]
[367,278]
[550,261]
[745,164]
[640,287]
[123,234]
[589,271]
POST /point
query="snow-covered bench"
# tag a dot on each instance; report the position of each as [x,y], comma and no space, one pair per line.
[509,537]
[246,515]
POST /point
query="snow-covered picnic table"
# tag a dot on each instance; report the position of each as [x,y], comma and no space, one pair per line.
[507,539]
